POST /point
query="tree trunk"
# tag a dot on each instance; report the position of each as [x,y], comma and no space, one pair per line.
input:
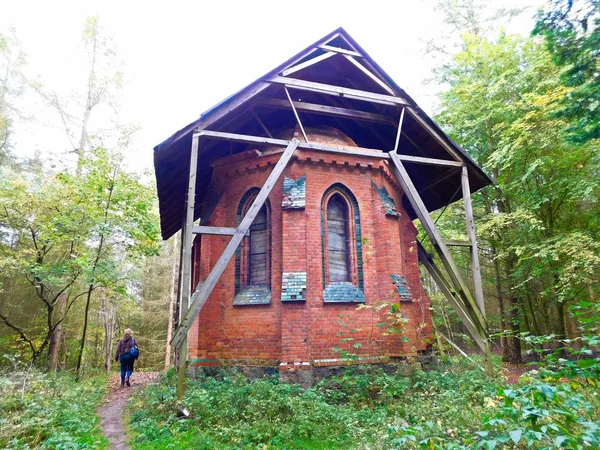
[560,320]
[536,326]
[54,347]
[84,332]
[89,105]
[94,267]
[109,316]
[501,307]
[525,316]
[513,343]
[573,331]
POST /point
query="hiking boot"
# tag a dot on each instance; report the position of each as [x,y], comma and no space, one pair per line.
[127,382]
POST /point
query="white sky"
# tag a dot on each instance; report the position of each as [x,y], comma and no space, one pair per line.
[183,57]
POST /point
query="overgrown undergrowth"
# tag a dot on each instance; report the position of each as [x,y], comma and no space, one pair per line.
[50,412]
[450,409]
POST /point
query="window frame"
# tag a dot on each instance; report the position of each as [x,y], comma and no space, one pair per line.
[354,236]
[242,254]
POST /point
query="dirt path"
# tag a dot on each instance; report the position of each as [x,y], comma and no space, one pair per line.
[111,414]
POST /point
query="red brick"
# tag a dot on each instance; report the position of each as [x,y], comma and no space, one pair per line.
[308,331]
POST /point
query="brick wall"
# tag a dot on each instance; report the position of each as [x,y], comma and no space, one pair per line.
[309,330]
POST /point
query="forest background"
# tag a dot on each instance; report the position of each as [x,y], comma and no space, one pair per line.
[80,255]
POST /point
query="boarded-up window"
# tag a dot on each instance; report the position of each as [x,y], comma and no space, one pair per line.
[338,239]
[258,249]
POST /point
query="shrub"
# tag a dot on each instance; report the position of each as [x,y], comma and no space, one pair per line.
[50,411]
[556,407]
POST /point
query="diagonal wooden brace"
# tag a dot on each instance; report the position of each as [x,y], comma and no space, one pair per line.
[454,302]
[434,235]
[201,295]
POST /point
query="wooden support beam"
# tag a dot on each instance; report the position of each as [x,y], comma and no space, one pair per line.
[220,231]
[450,173]
[185,267]
[296,114]
[478,317]
[343,51]
[328,110]
[435,134]
[399,133]
[340,91]
[383,85]
[454,243]
[260,122]
[419,207]
[240,99]
[207,287]
[207,121]
[475,267]
[438,277]
[429,161]
[357,151]
[459,350]
[308,63]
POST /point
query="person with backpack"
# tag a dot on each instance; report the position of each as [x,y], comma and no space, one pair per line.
[127,353]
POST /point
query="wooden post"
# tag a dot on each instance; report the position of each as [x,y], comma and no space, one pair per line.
[475,268]
[410,190]
[296,114]
[185,267]
[201,295]
[437,276]
[399,131]
[434,235]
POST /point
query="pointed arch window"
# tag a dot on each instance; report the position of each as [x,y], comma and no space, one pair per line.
[338,239]
[257,253]
[342,247]
[253,256]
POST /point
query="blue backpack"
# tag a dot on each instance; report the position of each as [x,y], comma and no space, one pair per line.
[135,351]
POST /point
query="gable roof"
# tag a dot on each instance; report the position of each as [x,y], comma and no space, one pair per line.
[265,99]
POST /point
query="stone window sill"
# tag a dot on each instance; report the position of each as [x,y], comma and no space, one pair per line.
[343,292]
[253,295]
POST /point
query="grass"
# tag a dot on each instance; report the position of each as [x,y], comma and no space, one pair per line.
[45,411]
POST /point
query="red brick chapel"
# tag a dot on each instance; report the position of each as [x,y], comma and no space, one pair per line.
[331,255]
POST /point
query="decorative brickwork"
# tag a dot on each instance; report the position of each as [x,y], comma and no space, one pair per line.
[402,287]
[294,193]
[253,295]
[293,286]
[343,292]
[386,200]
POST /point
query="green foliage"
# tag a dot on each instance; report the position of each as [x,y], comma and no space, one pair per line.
[554,407]
[369,389]
[234,413]
[539,224]
[50,411]
[65,236]
[571,29]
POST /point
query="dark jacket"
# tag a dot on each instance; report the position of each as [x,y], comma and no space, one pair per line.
[124,346]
